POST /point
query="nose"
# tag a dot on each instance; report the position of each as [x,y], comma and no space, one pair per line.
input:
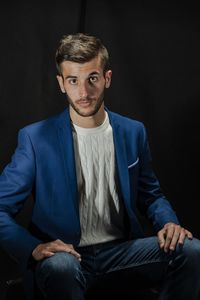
[83,90]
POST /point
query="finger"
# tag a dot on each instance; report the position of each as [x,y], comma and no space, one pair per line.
[184,233]
[54,247]
[168,239]
[189,234]
[76,254]
[58,247]
[59,243]
[178,234]
[47,254]
[182,236]
[41,255]
[161,238]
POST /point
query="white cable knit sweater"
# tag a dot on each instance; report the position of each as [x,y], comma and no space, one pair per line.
[101,212]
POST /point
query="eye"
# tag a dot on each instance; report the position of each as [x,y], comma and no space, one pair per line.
[72,81]
[93,79]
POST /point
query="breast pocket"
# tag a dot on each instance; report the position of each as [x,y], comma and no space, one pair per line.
[133,170]
[134,163]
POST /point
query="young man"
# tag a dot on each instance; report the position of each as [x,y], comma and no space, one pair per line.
[88,168]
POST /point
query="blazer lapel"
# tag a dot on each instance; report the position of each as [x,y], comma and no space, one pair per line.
[67,150]
[121,158]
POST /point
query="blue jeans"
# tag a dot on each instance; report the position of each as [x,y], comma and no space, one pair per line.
[63,277]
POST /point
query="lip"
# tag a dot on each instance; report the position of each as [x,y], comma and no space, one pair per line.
[84,103]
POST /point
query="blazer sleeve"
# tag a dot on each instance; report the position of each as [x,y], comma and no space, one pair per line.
[151,200]
[16,182]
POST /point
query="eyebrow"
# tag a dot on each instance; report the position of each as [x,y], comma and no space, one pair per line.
[94,73]
[74,77]
[70,76]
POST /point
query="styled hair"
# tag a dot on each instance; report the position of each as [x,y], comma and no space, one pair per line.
[81,48]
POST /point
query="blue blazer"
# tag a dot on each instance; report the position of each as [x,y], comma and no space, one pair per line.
[44,164]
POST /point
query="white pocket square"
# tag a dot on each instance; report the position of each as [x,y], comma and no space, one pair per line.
[133,164]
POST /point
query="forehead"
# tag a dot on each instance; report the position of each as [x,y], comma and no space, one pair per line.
[73,68]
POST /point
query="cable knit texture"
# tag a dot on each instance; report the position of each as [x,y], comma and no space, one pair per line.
[101,211]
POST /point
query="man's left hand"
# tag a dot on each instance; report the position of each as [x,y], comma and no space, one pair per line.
[171,235]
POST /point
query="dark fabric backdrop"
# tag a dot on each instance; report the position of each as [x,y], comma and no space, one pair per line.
[154,48]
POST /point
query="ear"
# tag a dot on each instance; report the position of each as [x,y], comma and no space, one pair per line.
[108,76]
[60,81]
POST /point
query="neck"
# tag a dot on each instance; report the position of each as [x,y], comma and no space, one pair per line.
[88,122]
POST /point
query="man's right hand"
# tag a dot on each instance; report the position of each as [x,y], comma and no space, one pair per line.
[49,249]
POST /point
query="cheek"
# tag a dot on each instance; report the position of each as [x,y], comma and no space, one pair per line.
[71,92]
[98,89]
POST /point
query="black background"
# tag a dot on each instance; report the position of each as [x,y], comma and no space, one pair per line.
[155,58]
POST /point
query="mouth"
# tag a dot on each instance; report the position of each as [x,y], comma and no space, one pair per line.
[84,103]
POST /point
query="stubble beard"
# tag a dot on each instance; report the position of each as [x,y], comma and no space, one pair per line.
[96,108]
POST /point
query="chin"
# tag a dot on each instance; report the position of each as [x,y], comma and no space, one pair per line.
[87,112]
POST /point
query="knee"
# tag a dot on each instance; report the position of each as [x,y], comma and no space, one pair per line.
[60,275]
[190,252]
[191,248]
[59,265]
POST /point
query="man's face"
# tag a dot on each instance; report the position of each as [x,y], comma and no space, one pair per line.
[84,85]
